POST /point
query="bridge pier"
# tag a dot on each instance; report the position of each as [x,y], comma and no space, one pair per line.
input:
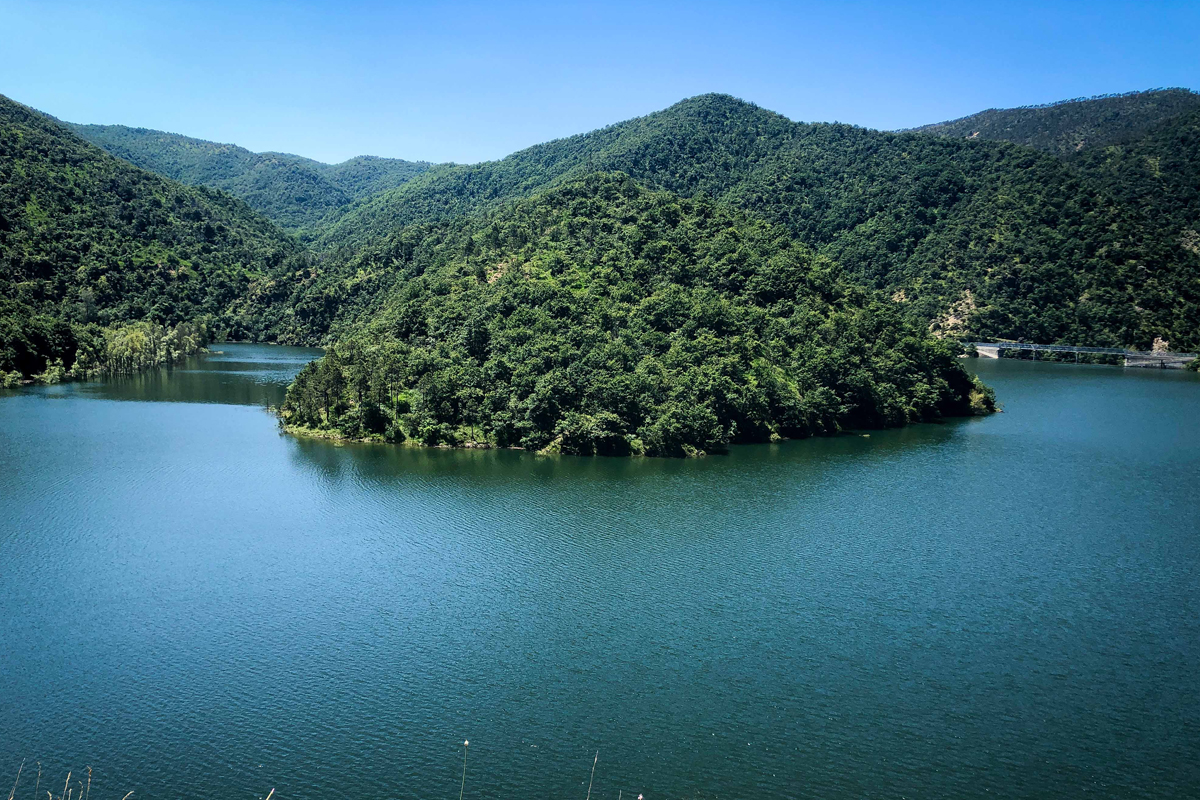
[1154,359]
[1158,360]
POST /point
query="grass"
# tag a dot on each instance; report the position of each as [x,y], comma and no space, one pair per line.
[80,791]
[83,791]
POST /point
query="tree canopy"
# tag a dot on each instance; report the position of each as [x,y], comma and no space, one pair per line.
[708,274]
[600,317]
[981,239]
[1067,127]
[294,192]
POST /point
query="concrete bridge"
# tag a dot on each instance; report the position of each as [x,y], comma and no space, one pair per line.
[1132,358]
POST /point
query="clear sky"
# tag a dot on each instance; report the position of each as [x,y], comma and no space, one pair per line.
[468,82]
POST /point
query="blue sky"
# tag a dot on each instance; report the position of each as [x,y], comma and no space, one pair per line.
[468,82]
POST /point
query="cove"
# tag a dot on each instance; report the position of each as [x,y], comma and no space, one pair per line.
[197,605]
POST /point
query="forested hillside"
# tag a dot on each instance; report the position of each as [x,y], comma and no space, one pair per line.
[295,192]
[600,317]
[979,239]
[706,143]
[89,243]
[707,274]
[1147,226]
[1070,126]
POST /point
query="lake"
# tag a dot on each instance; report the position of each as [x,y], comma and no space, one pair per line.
[199,606]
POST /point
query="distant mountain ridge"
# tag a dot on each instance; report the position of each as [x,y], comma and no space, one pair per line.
[1069,126]
[295,192]
[976,238]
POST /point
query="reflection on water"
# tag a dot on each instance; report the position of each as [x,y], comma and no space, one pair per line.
[231,373]
[200,606]
[389,463]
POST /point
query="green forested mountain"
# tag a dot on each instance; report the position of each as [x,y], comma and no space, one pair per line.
[1065,128]
[707,274]
[704,144]
[600,317]
[979,239]
[1147,230]
[597,317]
[89,242]
[297,193]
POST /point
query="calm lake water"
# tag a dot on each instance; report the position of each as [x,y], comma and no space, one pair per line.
[200,607]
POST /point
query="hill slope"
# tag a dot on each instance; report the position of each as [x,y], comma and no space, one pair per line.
[704,144]
[1065,128]
[89,241]
[1147,231]
[600,317]
[979,239]
[295,192]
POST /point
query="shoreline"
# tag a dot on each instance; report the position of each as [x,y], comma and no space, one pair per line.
[304,432]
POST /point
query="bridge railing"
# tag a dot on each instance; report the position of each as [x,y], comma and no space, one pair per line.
[1067,348]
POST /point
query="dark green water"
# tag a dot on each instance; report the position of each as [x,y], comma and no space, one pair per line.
[200,607]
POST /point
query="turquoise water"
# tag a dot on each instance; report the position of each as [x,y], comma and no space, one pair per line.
[198,606]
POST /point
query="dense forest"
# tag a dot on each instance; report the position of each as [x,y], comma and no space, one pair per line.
[294,192]
[980,239]
[89,243]
[708,274]
[600,317]
[1069,126]
[62,349]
